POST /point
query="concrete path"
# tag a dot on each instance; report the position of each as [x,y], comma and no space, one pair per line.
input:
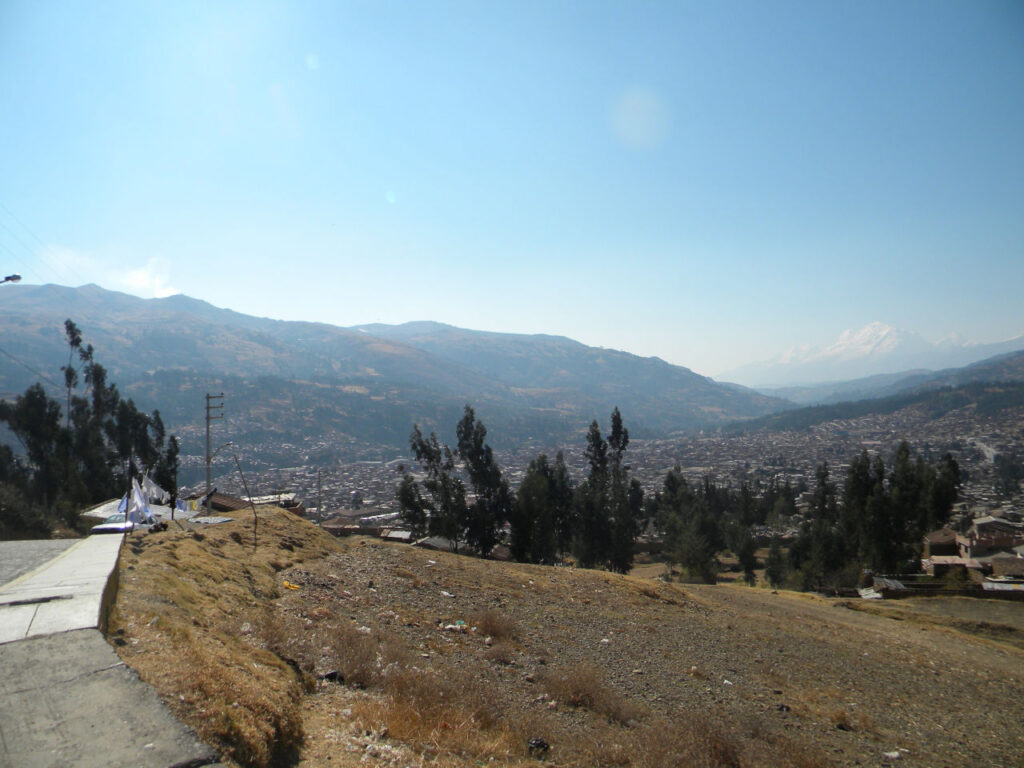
[20,557]
[62,594]
[66,699]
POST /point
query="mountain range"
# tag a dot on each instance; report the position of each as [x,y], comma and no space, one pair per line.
[876,349]
[326,393]
[370,384]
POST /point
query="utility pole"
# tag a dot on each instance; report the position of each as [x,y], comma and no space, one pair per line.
[319,497]
[211,415]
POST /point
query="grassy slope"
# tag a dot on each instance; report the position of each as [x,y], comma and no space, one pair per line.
[609,670]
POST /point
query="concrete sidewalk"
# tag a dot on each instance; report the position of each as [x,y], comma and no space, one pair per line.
[66,699]
[63,594]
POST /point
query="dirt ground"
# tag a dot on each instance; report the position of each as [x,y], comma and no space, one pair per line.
[410,657]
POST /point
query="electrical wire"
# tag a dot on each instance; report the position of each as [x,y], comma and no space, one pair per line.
[48,254]
[29,368]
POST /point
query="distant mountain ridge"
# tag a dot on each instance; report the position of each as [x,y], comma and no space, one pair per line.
[369,383]
[876,349]
[1008,367]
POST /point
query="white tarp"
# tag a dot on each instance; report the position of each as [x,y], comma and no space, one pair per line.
[137,510]
[153,493]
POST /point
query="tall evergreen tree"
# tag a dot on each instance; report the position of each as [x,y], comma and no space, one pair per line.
[88,451]
[608,502]
[492,500]
[591,537]
[442,512]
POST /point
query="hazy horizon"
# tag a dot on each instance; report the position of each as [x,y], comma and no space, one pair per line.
[723,377]
[711,184]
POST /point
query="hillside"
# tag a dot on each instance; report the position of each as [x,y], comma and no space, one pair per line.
[1007,367]
[546,369]
[335,652]
[300,382]
[985,398]
[876,349]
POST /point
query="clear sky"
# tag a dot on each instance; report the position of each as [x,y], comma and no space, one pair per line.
[707,182]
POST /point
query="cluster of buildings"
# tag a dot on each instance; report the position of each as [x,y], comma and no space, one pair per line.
[989,553]
[358,495]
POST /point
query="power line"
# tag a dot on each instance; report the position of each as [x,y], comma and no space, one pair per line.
[48,251]
[28,367]
[25,266]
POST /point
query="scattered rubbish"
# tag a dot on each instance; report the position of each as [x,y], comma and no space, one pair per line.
[447,594]
[638,671]
[333,676]
[894,755]
[364,630]
[289,585]
[538,747]
[726,682]
[605,641]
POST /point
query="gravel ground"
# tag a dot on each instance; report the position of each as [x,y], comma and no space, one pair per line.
[851,688]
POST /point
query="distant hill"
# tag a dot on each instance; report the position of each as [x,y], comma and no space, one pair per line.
[294,381]
[1000,368]
[874,350]
[553,371]
[985,397]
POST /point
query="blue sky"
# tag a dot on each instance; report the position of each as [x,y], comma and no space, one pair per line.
[711,183]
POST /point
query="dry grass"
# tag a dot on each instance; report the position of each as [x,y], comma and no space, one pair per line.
[583,685]
[441,715]
[186,618]
[248,654]
[500,653]
[252,662]
[494,624]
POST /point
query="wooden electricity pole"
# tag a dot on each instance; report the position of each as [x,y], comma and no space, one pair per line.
[211,415]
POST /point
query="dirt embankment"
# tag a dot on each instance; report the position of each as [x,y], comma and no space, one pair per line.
[315,651]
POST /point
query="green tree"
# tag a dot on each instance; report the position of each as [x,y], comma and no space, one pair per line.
[592,535]
[492,500]
[775,565]
[746,550]
[89,451]
[608,502]
[534,534]
[442,511]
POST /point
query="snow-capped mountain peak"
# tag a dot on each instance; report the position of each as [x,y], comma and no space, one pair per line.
[873,340]
[872,349]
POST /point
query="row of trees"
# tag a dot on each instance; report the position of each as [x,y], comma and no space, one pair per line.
[463,497]
[876,523]
[879,521]
[78,455]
